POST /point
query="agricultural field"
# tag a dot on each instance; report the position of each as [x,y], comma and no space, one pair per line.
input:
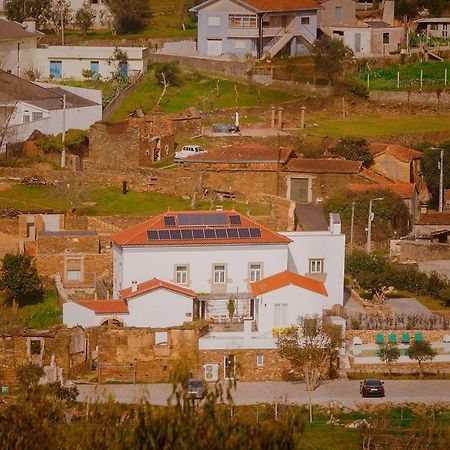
[101,200]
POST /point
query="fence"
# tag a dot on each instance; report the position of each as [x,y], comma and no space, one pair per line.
[115,102]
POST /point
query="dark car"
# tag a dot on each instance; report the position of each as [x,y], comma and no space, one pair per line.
[196,389]
[371,388]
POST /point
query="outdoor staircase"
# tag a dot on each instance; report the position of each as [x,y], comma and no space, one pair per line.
[277,44]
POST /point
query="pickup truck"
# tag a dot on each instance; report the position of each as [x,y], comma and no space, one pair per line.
[189,150]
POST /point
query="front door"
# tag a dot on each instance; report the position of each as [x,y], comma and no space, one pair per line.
[299,190]
[214,47]
[229,366]
[357,42]
[55,69]
[95,69]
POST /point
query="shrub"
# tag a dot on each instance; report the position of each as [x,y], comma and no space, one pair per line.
[171,71]
[354,149]
[356,88]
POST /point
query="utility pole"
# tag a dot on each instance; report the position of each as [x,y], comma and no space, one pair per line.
[63,136]
[62,22]
[352,223]
[441,182]
[369,224]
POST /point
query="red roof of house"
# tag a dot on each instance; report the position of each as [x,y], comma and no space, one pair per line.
[287,278]
[105,306]
[434,218]
[154,284]
[404,190]
[197,228]
[282,5]
[324,166]
[404,154]
[252,153]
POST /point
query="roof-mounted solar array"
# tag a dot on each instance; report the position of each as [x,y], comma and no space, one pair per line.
[207,233]
[202,219]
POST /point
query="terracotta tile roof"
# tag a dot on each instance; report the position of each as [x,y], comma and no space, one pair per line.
[13,30]
[155,284]
[404,154]
[287,278]
[105,306]
[371,175]
[14,88]
[341,166]
[243,154]
[139,235]
[404,190]
[434,218]
[270,5]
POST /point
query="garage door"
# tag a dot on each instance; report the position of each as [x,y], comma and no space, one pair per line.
[214,47]
[299,190]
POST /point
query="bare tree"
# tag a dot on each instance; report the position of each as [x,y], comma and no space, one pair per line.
[7,113]
[308,346]
[165,84]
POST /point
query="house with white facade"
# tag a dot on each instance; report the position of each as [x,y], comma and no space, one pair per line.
[48,108]
[183,266]
[436,27]
[18,44]
[62,62]
[256,27]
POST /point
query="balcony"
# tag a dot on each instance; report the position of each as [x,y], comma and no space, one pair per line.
[243,33]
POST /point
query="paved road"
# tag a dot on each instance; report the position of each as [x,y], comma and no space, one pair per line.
[344,391]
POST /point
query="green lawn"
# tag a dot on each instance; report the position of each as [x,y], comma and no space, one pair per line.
[42,315]
[386,79]
[366,126]
[109,201]
[200,91]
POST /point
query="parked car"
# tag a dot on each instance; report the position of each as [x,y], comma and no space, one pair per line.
[371,388]
[196,389]
[189,150]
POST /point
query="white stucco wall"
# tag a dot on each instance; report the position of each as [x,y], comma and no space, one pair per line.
[75,59]
[160,308]
[18,55]
[74,314]
[141,264]
[299,302]
[320,245]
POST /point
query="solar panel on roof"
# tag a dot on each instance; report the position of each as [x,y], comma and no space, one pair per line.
[232,233]
[210,233]
[243,233]
[198,234]
[255,232]
[152,235]
[219,219]
[221,233]
[235,220]
[202,219]
[169,221]
[175,234]
[187,234]
[164,234]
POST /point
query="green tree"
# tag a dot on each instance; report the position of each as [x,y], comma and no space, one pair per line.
[354,149]
[421,351]
[28,376]
[19,279]
[408,8]
[389,354]
[59,9]
[308,346]
[19,10]
[171,71]
[331,57]
[128,14]
[84,18]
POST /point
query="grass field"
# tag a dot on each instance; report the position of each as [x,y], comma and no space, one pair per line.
[386,79]
[366,126]
[109,201]
[200,91]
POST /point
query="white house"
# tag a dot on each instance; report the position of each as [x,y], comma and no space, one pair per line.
[26,107]
[223,256]
[18,44]
[154,304]
[57,61]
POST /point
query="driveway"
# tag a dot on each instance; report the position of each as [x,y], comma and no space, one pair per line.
[408,306]
[343,391]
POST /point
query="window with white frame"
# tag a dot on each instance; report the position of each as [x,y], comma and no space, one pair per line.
[316,266]
[161,338]
[181,274]
[280,319]
[434,27]
[214,21]
[26,117]
[260,360]
[37,115]
[242,21]
[255,272]
[304,20]
[219,273]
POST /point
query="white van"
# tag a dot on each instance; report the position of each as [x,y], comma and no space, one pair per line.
[189,150]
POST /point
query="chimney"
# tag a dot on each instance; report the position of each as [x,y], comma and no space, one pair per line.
[389,12]
[335,223]
[134,286]
[424,209]
[29,25]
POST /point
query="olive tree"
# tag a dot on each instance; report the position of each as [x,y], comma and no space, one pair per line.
[308,346]
[422,352]
[389,354]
